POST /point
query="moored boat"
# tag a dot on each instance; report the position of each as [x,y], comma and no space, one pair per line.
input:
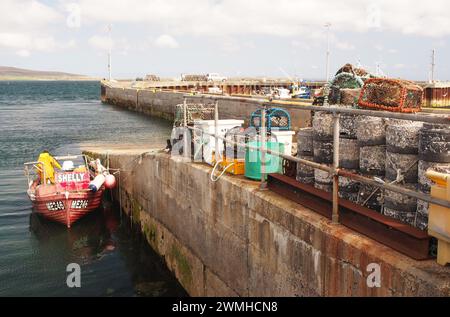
[75,192]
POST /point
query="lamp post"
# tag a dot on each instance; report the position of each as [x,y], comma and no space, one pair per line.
[328,25]
[433,64]
[109,52]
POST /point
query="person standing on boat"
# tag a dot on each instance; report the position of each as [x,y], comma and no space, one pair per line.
[49,163]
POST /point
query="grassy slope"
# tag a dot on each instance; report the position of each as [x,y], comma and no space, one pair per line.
[12,73]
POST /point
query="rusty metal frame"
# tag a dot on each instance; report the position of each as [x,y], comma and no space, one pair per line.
[390,232]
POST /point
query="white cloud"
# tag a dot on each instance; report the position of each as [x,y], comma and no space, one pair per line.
[345,46]
[23,53]
[301,45]
[26,15]
[14,40]
[230,17]
[101,42]
[25,42]
[379,47]
[166,41]
[26,26]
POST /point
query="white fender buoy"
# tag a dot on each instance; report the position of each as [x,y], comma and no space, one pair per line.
[110,181]
[97,183]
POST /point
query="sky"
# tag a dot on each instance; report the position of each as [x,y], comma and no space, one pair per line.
[232,37]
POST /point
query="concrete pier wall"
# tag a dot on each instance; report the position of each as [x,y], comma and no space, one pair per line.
[230,239]
[162,105]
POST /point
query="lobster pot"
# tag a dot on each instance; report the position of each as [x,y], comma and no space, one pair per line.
[289,168]
[305,173]
[391,95]
[434,144]
[372,160]
[434,153]
[370,196]
[403,137]
[323,151]
[277,119]
[323,180]
[193,112]
[349,153]
[345,80]
[370,131]
[348,125]
[334,97]
[422,214]
[305,141]
[349,97]
[402,143]
[348,188]
[322,125]
[401,207]
[405,164]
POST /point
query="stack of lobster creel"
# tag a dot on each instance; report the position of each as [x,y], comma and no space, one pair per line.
[434,153]
[371,135]
[398,152]
[322,145]
[323,148]
[348,156]
[402,142]
[305,173]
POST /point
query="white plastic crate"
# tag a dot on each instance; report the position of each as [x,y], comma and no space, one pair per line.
[206,143]
[284,137]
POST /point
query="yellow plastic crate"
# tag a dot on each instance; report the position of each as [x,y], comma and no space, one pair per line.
[238,168]
[439,217]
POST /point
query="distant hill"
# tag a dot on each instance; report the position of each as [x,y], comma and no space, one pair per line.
[13,73]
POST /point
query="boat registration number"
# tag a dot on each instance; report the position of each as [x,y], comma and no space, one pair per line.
[80,204]
[55,206]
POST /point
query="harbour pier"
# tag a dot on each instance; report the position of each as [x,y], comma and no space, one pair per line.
[230,238]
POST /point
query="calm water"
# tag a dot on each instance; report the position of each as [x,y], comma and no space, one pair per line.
[34,253]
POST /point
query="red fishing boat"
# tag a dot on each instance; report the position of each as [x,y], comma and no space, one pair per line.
[75,193]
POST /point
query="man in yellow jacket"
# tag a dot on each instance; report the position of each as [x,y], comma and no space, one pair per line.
[48,163]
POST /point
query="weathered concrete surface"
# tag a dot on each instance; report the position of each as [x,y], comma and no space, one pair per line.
[230,239]
[162,104]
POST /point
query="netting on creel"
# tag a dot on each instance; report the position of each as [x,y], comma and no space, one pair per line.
[275,118]
[347,80]
[349,68]
[391,95]
[193,112]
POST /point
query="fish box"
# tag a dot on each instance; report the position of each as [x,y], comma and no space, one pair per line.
[207,143]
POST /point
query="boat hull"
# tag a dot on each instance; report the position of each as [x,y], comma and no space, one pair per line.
[67,210]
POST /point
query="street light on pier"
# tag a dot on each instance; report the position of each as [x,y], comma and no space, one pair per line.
[109,52]
[328,25]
